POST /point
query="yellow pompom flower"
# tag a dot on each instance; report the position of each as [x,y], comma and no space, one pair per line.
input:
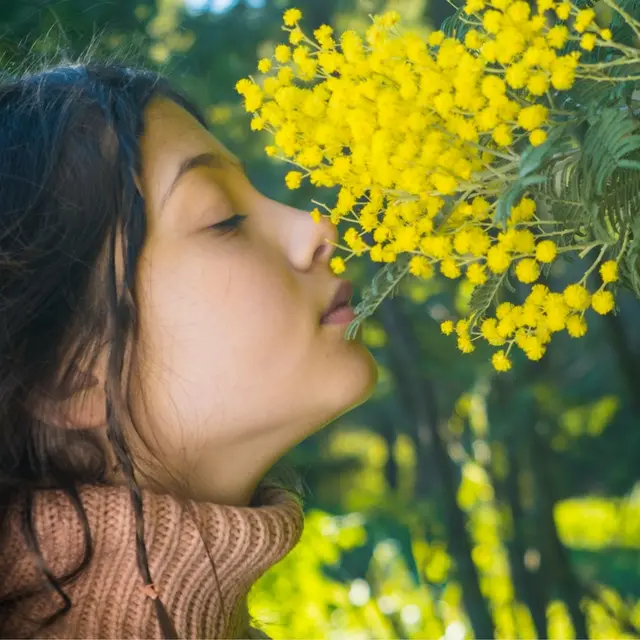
[576,326]
[420,267]
[563,11]
[435,38]
[606,34]
[524,241]
[502,135]
[609,271]
[588,41]
[474,6]
[577,297]
[584,19]
[602,302]
[264,66]
[492,21]
[465,345]
[493,86]
[527,270]
[532,117]
[537,137]
[557,36]
[447,327]
[546,251]
[517,75]
[291,17]
[257,124]
[282,54]
[498,259]
[476,274]
[296,36]
[293,179]
[337,265]
[489,330]
[450,269]
[500,361]
[538,84]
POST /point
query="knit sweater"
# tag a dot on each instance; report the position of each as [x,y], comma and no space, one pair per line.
[109,598]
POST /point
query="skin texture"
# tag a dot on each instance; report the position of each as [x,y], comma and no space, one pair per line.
[232,366]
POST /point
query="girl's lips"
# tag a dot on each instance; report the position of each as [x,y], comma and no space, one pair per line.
[341,315]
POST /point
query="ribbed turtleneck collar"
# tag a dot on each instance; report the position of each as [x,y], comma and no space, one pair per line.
[182,540]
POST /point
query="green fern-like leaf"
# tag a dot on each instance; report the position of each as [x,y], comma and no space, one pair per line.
[457,25]
[562,194]
[383,284]
[484,296]
[613,138]
[621,30]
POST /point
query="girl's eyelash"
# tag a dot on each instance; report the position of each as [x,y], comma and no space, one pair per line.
[230,224]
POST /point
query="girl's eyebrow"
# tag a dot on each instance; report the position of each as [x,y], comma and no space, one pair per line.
[208,159]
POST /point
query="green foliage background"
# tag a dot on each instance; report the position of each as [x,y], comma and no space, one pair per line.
[455,503]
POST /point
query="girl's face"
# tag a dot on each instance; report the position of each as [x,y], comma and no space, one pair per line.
[233,364]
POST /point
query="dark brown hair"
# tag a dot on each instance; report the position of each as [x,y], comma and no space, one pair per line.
[69,152]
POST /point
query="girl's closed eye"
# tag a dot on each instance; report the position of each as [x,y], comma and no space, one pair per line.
[229,225]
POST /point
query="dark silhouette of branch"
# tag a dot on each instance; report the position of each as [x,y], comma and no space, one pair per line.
[419,396]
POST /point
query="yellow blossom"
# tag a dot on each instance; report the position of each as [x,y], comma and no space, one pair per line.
[588,41]
[476,274]
[474,6]
[465,345]
[498,259]
[292,17]
[492,21]
[602,302]
[257,124]
[524,241]
[532,117]
[420,267]
[282,53]
[293,179]
[563,10]
[435,38]
[576,326]
[584,19]
[264,66]
[473,39]
[609,271]
[538,84]
[446,327]
[557,36]
[337,265]
[502,135]
[449,268]
[492,86]
[517,75]
[577,297]
[546,251]
[500,361]
[537,137]
[503,310]
[489,330]
[296,36]
[527,270]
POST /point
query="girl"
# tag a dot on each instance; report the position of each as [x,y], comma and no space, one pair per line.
[166,334]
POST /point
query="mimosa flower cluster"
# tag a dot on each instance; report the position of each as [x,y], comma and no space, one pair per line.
[421,136]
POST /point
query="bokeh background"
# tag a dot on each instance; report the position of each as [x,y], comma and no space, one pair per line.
[457,502]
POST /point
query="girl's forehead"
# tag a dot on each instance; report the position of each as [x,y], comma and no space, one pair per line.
[171,129]
[172,136]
